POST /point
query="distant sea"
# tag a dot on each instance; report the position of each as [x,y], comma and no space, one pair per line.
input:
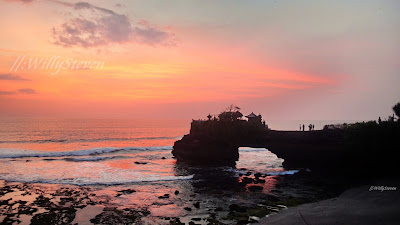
[114,155]
[104,151]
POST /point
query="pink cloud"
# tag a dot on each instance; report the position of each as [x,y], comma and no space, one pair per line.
[106,27]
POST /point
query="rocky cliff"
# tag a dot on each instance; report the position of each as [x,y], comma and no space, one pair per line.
[357,149]
[216,142]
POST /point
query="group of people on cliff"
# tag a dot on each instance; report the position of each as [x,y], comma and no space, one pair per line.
[310,127]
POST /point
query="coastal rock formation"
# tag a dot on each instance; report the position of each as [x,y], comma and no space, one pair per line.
[216,141]
[205,150]
[362,148]
[318,149]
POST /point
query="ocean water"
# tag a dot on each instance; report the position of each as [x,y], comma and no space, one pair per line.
[101,152]
[109,156]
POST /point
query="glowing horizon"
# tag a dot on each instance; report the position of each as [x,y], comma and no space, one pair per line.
[319,60]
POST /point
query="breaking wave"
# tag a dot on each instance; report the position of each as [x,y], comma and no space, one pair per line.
[86,182]
[42,141]
[22,153]
[99,158]
[249,149]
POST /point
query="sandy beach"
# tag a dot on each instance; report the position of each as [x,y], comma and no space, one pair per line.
[357,205]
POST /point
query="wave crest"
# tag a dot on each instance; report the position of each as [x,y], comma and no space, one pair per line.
[23,153]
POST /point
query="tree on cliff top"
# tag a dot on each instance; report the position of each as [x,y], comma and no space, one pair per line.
[396,109]
[231,113]
[232,108]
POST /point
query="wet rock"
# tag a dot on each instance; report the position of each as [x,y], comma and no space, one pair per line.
[5,202]
[63,201]
[272,198]
[43,201]
[243,220]
[176,192]
[218,209]
[197,205]
[163,158]
[127,191]
[163,196]
[235,207]
[247,180]
[22,209]
[6,189]
[9,220]
[54,216]
[255,188]
[214,221]
[176,221]
[115,216]
[188,209]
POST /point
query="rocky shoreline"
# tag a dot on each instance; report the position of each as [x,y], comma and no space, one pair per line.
[245,201]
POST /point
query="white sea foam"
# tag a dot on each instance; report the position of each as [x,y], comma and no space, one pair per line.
[249,149]
[289,172]
[72,140]
[89,181]
[97,158]
[22,153]
[238,171]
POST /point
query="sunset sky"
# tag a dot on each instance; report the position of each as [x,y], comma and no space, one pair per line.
[330,60]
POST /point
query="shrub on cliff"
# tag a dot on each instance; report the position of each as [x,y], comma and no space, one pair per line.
[231,113]
[373,138]
[396,109]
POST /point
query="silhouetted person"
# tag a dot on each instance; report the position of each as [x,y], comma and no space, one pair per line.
[313,127]
[303,127]
[379,120]
[309,127]
[300,127]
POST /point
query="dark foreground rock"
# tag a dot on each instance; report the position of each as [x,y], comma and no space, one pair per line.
[355,206]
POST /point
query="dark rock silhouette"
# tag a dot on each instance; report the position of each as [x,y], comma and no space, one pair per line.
[358,149]
[217,141]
